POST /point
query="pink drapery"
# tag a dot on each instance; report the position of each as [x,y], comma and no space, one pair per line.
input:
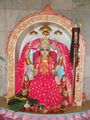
[20,69]
[62,50]
[65,54]
[21,65]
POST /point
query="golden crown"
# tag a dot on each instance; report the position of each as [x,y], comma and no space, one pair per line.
[45,42]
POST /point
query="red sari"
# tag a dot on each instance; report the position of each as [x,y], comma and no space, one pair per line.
[43,87]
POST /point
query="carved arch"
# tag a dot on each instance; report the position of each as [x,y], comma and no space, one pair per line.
[46,15]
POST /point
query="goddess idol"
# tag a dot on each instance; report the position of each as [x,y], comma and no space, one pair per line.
[46,74]
[45,86]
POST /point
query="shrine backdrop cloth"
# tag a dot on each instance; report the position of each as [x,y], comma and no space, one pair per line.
[62,51]
[6,114]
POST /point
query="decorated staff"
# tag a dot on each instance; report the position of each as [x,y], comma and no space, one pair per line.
[74,55]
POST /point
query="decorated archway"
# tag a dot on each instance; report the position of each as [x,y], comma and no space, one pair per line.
[45,16]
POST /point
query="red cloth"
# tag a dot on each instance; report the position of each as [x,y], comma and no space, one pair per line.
[43,87]
[62,51]
[21,69]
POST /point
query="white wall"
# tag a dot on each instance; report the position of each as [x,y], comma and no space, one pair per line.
[11,11]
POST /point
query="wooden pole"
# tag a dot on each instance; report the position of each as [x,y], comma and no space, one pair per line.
[75,39]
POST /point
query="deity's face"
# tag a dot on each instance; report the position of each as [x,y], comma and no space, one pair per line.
[45,50]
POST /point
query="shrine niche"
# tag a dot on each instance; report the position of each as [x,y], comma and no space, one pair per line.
[46,34]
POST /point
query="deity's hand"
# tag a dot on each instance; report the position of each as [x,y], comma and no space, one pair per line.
[36,72]
[57,79]
[32,67]
[65,93]
[31,75]
[53,72]
[57,67]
